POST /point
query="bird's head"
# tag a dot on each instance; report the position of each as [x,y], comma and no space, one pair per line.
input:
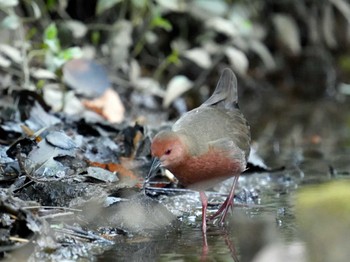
[169,148]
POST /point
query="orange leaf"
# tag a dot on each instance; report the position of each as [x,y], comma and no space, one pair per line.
[122,171]
[108,105]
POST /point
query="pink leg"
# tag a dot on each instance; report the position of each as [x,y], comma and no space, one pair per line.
[227,204]
[204,200]
[205,248]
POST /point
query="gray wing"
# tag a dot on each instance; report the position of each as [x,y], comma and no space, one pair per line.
[212,124]
[232,149]
[217,119]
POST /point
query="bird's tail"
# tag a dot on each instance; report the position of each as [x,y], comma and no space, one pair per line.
[225,94]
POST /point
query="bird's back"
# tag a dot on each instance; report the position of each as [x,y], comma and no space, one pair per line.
[218,118]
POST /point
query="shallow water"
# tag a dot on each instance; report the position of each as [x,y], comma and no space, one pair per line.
[263,219]
[263,216]
[251,226]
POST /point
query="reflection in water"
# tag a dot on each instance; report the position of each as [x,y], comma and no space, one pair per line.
[255,222]
[309,139]
[262,224]
[178,244]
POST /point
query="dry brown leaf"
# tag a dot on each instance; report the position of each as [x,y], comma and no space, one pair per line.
[108,105]
[123,172]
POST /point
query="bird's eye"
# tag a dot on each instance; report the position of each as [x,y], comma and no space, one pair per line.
[167,152]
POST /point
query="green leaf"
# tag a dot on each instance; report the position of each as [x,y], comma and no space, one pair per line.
[95,37]
[174,58]
[344,63]
[50,32]
[103,5]
[70,53]
[53,45]
[161,22]
[50,38]
[51,4]
[31,33]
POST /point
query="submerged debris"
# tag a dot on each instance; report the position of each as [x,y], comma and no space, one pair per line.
[65,164]
[18,227]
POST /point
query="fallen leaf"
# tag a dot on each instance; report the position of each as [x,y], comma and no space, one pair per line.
[11,52]
[148,85]
[77,28]
[123,172]
[175,6]
[11,22]
[40,73]
[176,87]
[104,5]
[8,3]
[4,62]
[238,60]
[210,8]
[101,174]
[261,50]
[223,26]
[199,56]
[287,32]
[108,105]
[343,7]
[60,140]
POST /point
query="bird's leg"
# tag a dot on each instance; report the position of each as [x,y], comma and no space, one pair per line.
[227,204]
[219,211]
[204,201]
[205,248]
[229,200]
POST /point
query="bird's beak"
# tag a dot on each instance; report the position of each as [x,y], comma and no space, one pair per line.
[153,170]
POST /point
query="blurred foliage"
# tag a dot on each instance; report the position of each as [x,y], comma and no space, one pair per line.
[296,47]
[55,55]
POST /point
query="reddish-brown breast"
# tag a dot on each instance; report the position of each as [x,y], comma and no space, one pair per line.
[206,170]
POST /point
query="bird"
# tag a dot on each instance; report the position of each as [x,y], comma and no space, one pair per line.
[207,145]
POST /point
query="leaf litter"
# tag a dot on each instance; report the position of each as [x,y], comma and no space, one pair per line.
[71,180]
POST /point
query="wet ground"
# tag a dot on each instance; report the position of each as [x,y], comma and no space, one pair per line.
[263,226]
[263,221]
[75,135]
[75,192]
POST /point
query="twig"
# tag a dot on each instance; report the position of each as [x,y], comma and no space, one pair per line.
[19,239]
[23,186]
[77,232]
[58,215]
[53,207]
